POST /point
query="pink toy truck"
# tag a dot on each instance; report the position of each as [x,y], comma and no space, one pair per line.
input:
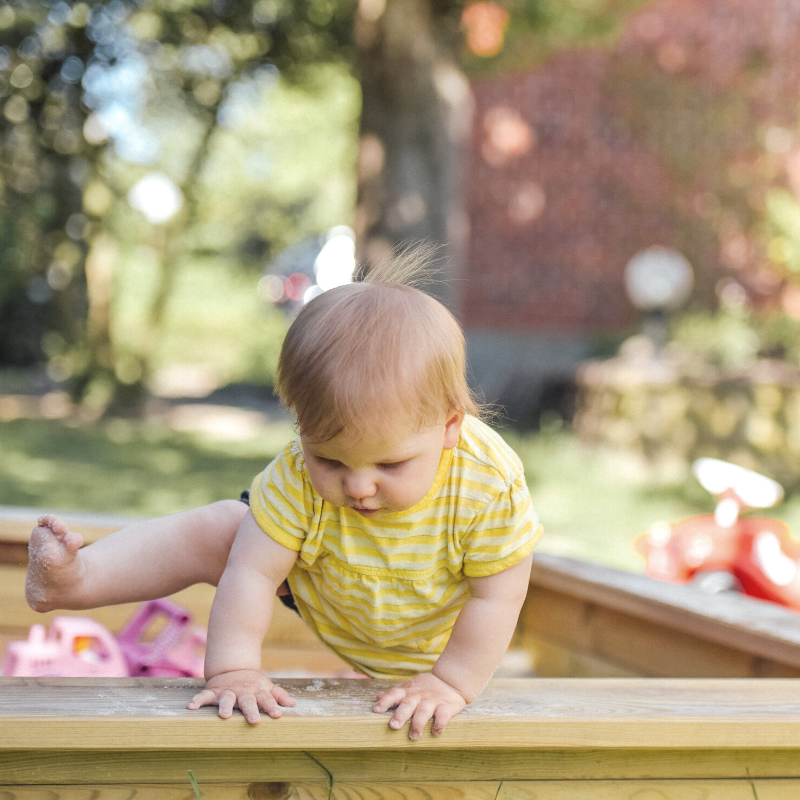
[72,647]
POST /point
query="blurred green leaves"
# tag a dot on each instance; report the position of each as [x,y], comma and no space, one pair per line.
[231,101]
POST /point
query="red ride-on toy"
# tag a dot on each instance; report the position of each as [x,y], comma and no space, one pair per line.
[720,551]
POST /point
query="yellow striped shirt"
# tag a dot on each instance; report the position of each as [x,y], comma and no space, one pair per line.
[384,594]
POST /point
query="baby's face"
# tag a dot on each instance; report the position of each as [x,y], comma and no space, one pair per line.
[379,471]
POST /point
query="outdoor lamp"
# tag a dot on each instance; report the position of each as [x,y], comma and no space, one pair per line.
[658,280]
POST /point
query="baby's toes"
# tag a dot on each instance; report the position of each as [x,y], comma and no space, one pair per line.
[72,541]
[47,548]
[41,537]
[55,524]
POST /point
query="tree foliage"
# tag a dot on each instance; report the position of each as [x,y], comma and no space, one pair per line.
[95,94]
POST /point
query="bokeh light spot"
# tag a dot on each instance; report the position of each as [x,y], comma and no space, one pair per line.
[486,25]
[508,135]
[7,17]
[156,197]
[72,69]
[296,285]
[270,288]
[16,109]
[21,77]
[731,293]
[527,203]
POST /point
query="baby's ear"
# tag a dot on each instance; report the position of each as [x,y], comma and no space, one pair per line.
[452,429]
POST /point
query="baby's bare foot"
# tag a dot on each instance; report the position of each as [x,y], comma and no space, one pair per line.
[55,568]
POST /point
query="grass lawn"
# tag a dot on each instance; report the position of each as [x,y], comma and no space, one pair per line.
[131,468]
[592,505]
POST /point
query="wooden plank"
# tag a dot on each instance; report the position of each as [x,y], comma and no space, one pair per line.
[457,790]
[786,789]
[37,767]
[742,624]
[554,660]
[576,638]
[133,713]
[13,553]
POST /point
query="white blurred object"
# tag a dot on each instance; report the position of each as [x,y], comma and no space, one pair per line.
[311,293]
[658,278]
[775,564]
[754,490]
[336,262]
[156,197]
[727,512]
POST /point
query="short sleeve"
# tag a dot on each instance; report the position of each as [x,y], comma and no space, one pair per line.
[281,499]
[503,533]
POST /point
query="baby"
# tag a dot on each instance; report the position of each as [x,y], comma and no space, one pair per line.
[398,524]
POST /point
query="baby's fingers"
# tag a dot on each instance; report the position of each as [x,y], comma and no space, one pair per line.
[269,704]
[227,700]
[422,714]
[248,705]
[205,698]
[283,697]
[404,712]
[444,713]
[391,697]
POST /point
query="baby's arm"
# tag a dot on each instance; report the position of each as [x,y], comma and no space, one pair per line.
[240,617]
[479,639]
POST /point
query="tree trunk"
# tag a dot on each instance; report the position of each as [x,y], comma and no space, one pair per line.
[415,127]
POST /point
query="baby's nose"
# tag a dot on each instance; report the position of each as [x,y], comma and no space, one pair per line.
[358,485]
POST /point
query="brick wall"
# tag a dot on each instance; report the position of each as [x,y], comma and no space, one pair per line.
[598,154]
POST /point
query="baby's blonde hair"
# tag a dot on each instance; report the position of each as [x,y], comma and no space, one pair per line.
[382,346]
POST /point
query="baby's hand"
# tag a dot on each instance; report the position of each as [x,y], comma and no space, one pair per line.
[419,699]
[247,689]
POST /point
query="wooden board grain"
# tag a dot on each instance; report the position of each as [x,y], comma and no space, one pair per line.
[43,714]
[630,623]
[457,790]
[36,767]
[729,619]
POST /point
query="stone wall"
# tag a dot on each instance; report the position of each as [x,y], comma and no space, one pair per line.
[672,408]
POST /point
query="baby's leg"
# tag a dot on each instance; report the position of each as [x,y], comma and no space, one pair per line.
[143,561]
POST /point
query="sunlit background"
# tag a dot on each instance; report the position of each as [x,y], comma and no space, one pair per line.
[614,186]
